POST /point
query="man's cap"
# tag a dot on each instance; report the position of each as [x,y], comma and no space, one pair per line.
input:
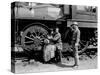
[74,23]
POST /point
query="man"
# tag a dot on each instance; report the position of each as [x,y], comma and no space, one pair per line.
[58,43]
[75,42]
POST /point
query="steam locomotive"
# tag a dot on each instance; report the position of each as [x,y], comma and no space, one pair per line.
[31,22]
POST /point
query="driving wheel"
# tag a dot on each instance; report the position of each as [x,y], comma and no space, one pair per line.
[32,37]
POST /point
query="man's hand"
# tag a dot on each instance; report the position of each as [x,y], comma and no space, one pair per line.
[49,37]
[76,44]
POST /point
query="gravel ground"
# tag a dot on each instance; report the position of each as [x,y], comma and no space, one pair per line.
[35,66]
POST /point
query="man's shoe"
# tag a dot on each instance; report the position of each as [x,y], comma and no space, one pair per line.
[75,66]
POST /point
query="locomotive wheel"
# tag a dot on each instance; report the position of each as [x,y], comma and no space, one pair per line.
[83,46]
[32,37]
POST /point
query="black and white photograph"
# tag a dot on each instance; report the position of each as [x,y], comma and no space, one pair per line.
[47,37]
